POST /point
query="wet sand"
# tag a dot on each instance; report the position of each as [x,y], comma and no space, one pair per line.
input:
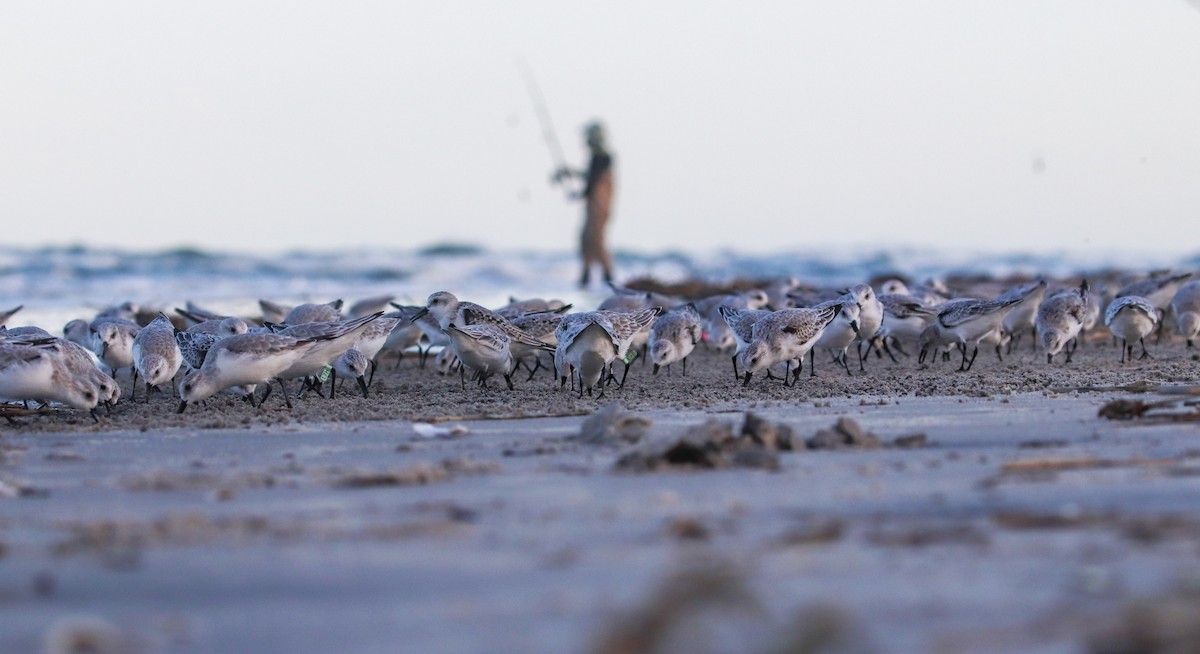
[1025,522]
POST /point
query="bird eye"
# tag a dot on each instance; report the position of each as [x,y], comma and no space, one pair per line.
[89,396]
[187,387]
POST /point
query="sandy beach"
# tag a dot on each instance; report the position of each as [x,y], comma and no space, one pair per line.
[430,518]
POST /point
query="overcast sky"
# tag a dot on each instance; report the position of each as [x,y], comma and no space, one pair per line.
[1003,124]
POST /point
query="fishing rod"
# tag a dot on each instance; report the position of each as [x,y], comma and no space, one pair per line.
[549,134]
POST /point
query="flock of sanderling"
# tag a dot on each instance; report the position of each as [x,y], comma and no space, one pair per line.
[772,329]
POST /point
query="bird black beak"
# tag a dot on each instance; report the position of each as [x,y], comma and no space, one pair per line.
[655,369]
[182,406]
[746,379]
[362,383]
[420,314]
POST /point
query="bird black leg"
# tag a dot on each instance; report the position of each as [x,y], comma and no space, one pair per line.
[974,353]
[283,387]
[684,367]
[812,362]
[624,374]
[1145,354]
[332,383]
[266,394]
[508,380]
[736,375]
[1125,348]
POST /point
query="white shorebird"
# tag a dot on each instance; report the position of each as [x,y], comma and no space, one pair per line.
[484,348]
[673,336]
[425,326]
[273,312]
[785,335]
[112,341]
[741,326]
[1186,306]
[587,346]
[1158,291]
[589,342]
[838,334]
[904,319]
[258,358]
[1022,316]
[449,310]
[374,337]
[352,364]
[321,355]
[31,372]
[967,321]
[368,306]
[306,313]
[1060,318]
[541,325]
[1131,318]
[870,318]
[156,355]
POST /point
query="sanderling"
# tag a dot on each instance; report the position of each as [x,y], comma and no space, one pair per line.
[112,341]
[367,306]
[632,329]
[449,310]
[82,362]
[273,312]
[589,342]
[194,346]
[5,315]
[1060,318]
[970,320]
[30,372]
[785,335]
[1131,318]
[79,332]
[1158,291]
[741,326]
[323,354]
[1022,316]
[261,358]
[1186,305]
[541,325]
[156,355]
[372,339]
[627,299]
[838,334]
[870,318]
[485,348]
[408,333]
[587,346]
[353,364]
[931,293]
[517,308]
[304,313]
[124,311]
[24,332]
[905,318]
[219,325]
[673,336]
[777,292]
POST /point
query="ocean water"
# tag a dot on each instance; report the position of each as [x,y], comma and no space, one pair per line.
[58,284]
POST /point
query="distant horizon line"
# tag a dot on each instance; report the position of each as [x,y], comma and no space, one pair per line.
[466,248]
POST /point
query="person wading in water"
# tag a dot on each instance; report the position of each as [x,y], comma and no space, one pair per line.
[597,195]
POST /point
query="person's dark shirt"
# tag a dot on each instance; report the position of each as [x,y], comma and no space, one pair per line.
[601,163]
